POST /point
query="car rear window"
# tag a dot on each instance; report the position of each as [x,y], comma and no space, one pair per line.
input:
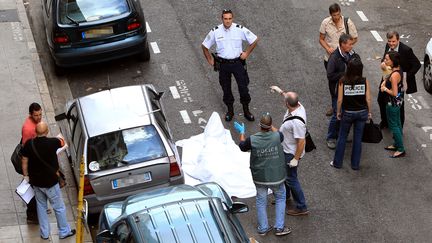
[81,11]
[124,147]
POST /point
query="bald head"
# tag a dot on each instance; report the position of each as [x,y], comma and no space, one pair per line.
[266,122]
[41,129]
[291,99]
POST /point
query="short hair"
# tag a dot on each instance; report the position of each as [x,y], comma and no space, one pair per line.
[334,8]
[34,107]
[344,38]
[392,33]
[394,57]
[227,11]
[291,99]
[266,121]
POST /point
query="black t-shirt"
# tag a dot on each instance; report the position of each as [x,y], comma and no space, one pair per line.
[40,174]
[354,96]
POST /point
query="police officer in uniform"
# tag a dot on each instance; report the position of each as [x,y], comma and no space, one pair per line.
[229,38]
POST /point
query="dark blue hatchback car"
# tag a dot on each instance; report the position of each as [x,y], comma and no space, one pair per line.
[82,32]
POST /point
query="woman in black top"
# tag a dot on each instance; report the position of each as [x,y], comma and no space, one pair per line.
[393,87]
[353,108]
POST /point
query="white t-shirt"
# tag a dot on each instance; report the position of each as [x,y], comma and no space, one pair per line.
[293,129]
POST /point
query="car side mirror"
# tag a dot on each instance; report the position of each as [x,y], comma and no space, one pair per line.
[60,117]
[105,236]
[239,207]
[159,95]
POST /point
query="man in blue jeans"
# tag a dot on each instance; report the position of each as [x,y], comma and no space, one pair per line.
[40,167]
[335,70]
[294,131]
[268,172]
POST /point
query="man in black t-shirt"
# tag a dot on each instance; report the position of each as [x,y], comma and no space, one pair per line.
[40,167]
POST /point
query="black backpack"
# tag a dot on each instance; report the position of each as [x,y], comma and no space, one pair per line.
[310,145]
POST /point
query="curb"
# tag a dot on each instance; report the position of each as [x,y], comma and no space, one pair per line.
[41,82]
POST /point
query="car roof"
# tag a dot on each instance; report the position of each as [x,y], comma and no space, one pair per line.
[115,109]
[191,220]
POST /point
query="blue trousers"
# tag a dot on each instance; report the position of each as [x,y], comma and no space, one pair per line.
[293,184]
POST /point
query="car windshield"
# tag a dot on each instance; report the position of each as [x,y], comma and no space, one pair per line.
[124,147]
[80,11]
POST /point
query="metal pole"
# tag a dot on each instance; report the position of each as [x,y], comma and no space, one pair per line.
[80,222]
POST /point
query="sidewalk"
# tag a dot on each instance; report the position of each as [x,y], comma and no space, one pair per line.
[23,82]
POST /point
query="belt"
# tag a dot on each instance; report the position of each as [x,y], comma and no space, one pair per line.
[355,111]
[223,60]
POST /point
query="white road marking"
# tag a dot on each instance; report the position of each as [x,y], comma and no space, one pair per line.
[164,69]
[351,1]
[148,27]
[376,35]
[195,113]
[423,102]
[185,116]
[155,47]
[174,92]
[424,145]
[362,16]
[421,62]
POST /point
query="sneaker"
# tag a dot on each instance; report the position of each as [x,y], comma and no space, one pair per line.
[331,144]
[43,238]
[297,212]
[266,231]
[281,232]
[71,233]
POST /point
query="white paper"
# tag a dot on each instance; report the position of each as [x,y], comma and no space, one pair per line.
[25,191]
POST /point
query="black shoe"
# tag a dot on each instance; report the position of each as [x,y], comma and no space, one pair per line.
[44,238]
[383,125]
[71,233]
[229,116]
[281,232]
[32,220]
[263,233]
[247,113]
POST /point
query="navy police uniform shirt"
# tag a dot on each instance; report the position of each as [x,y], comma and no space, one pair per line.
[229,41]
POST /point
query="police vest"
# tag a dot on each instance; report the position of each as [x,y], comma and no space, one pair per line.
[267,161]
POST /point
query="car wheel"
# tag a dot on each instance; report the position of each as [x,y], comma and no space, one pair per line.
[59,71]
[427,75]
[144,56]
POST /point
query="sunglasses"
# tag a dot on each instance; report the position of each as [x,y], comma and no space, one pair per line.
[226,11]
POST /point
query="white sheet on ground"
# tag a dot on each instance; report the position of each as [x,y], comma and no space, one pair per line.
[214,156]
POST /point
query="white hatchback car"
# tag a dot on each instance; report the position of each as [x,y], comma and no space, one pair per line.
[427,71]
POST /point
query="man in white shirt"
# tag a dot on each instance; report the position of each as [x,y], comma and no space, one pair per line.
[229,38]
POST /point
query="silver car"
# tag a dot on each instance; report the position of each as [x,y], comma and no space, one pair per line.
[124,139]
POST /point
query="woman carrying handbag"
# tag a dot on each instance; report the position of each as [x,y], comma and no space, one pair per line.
[353,108]
[393,87]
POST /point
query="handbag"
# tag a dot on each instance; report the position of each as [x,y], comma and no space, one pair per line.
[16,158]
[60,176]
[372,133]
[310,145]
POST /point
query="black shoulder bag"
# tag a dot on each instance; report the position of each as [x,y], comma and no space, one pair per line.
[61,177]
[346,25]
[310,145]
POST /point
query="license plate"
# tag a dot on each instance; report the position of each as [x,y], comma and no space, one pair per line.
[131,180]
[98,32]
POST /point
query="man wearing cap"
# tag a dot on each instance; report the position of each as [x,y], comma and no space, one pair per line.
[268,172]
[229,38]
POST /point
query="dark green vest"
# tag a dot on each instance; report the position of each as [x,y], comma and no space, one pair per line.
[267,161]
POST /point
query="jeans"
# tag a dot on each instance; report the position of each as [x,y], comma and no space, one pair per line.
[261,205]
[358,119]
[395,125]
[53,194]
[293,184]
[332,132]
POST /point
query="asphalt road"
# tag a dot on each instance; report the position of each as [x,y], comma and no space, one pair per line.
[388,200]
